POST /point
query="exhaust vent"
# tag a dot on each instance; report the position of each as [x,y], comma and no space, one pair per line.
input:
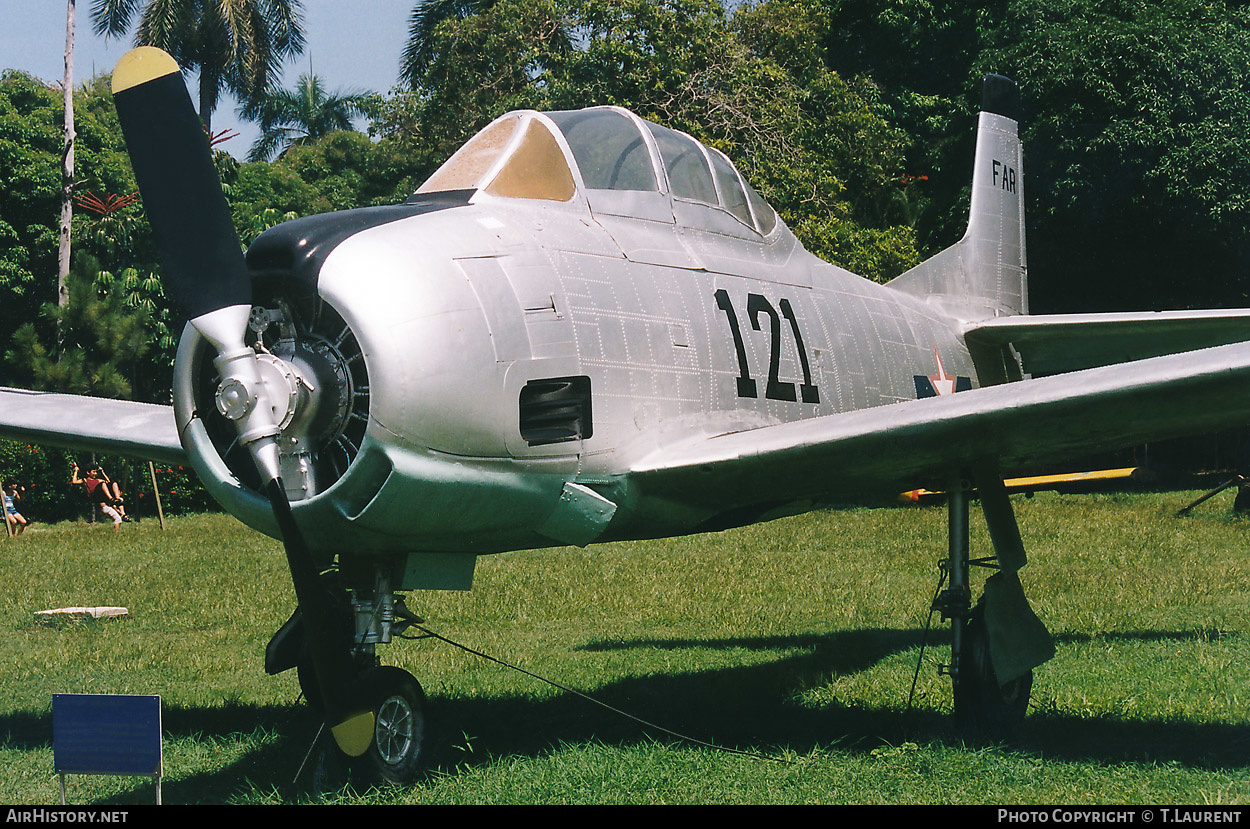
[555,410]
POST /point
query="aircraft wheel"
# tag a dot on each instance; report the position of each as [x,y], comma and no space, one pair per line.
[982,706]
[398,747]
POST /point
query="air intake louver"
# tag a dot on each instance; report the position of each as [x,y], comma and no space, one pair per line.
[555,410]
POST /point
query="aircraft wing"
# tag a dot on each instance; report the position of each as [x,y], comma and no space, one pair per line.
[114,427]
[870,454]
[1050,344]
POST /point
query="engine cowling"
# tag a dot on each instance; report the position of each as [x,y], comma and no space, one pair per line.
[377,361]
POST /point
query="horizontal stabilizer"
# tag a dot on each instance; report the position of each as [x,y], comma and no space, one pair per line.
[91,424]
[1070,342]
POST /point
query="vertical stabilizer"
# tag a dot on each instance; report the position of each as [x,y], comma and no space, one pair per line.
[984,274]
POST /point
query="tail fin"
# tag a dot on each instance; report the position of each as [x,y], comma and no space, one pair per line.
[984,274]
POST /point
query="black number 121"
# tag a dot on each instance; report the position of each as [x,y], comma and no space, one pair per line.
[775,390]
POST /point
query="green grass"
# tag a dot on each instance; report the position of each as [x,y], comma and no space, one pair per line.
[795,639]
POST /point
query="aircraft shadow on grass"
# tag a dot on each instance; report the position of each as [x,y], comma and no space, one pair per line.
[752,706]
[745,707]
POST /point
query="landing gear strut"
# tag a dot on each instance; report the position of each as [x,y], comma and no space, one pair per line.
[396,745]
[996,644]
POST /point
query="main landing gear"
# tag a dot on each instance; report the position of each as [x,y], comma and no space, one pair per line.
[995,644]
[393,748]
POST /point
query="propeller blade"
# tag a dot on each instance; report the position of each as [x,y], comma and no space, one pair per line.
[204,267]
[181,193]
[206,274]
[329,647]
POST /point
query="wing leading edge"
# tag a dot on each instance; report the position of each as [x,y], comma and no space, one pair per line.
[118,427]
[871,454]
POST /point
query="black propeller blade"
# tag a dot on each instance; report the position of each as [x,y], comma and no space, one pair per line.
[328,643]
[205,272]
[181,192]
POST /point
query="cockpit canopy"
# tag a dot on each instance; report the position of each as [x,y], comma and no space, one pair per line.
[609,156]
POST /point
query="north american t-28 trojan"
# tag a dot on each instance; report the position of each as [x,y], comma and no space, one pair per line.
[588,327]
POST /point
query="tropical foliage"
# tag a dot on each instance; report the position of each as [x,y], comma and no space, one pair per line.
[102,338]
[1134,119]
[291,117]
[31,144]
[425,18]
[236,45]
[1139,122]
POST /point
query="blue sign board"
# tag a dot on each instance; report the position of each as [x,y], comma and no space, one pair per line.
[106,734]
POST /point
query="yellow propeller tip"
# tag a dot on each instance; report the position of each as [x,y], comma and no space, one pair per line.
[140,65]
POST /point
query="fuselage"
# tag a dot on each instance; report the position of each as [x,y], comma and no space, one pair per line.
[524,353]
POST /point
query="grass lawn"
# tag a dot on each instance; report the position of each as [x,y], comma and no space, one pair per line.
[796,640]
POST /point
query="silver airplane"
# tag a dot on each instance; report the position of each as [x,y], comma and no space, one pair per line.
[587,327]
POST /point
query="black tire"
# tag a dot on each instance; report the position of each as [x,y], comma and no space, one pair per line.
[307,676]
[398,704]
[983,707]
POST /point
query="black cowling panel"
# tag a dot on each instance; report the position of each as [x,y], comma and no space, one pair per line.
[296,250]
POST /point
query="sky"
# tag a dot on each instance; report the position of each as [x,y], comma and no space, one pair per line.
[353,46]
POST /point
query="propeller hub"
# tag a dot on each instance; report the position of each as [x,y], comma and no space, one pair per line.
[234,400]
[278,389]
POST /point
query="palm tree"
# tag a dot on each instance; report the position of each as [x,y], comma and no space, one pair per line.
[235,44]
[420,51]
[426,15]
[288,117]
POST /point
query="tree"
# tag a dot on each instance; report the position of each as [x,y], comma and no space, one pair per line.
[31,147]
[920,56]
[235,45]
[1137,129]
[290,117]
[420,47]
[102,338]
[115,231]
[480,64]
[67,166]
[424,46]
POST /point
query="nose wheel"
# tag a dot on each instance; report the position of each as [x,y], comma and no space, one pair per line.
[398,704]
